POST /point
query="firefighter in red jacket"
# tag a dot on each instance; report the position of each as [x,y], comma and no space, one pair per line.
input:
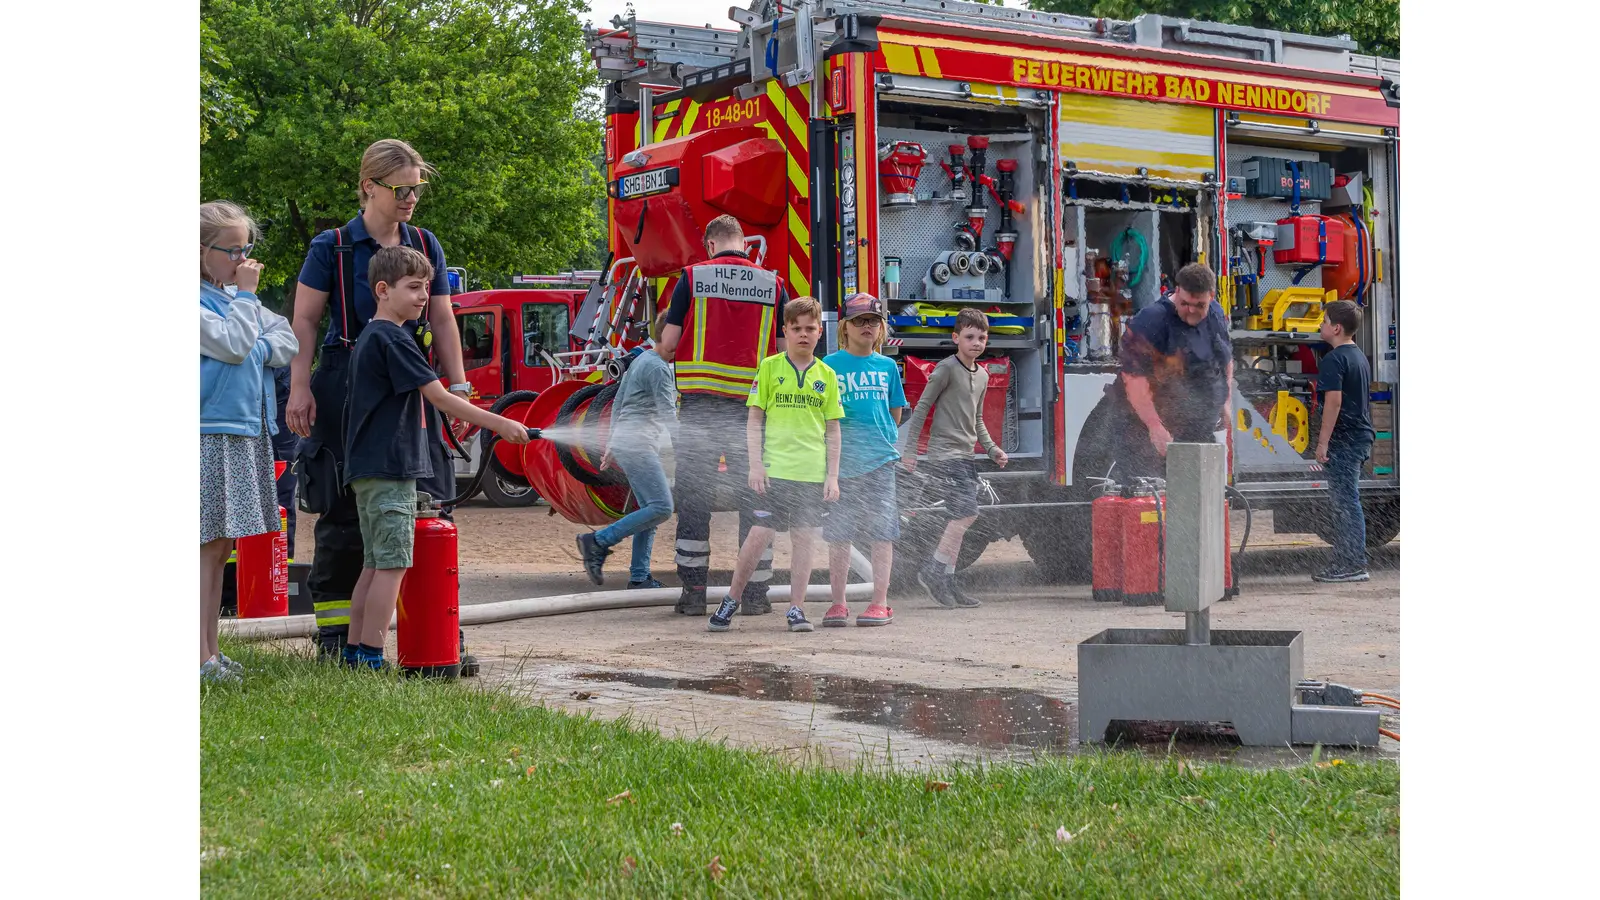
[724,319]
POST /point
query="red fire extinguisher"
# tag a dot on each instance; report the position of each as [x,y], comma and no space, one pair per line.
[261,575]
[429,609]
[1105,538]
[1143,559]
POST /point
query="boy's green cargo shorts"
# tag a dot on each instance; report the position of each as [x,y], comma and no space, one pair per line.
[388,511]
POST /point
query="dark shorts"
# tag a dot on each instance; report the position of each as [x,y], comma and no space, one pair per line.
[866,509]
[787,505]
[955,483]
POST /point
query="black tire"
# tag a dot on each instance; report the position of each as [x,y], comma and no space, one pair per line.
[1383,522]
[599,396]
[1059,545]
[496,469]
[508,496]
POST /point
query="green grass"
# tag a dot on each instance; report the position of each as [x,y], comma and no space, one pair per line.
[325,783]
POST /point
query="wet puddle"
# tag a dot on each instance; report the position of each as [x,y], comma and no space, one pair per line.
[990,718]
[1007,720]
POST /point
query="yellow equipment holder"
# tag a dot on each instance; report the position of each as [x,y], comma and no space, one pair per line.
[1291,409]
[1293,309]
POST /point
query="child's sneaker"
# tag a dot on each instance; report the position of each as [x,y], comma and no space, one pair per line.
[837,616]
[231,665]
[722,619]
[594,557]
[647,584]
[963,599]
[875,615]
[213,672]
[936,582]
[797,619]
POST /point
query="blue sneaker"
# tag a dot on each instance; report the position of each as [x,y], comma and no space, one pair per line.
[722,619]
[213,672]
[647,584]
[797,619]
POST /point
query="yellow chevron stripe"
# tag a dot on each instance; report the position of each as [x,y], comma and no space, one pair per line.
[901,60]
[790,116]
[690,117]
[797,173]
[930,61]
[800,281]
[661,129]
[798,224]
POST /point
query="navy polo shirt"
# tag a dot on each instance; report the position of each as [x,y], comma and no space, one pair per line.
[1186,365]
[320,272]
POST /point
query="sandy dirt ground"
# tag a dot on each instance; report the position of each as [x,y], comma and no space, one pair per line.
[808,695]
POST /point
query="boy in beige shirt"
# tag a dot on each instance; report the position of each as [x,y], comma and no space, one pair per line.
[955,394]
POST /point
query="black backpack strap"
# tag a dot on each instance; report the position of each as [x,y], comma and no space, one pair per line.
[344,258]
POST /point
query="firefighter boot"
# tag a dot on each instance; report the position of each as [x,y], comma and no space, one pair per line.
[331,641]
[755,604]
[692,602]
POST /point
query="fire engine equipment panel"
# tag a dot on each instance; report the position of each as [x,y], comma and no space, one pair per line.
[1059,199]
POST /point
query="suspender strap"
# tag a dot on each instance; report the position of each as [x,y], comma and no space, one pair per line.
[341,250]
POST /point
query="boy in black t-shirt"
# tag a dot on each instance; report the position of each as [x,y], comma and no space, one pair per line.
[386,443]
[1344,378]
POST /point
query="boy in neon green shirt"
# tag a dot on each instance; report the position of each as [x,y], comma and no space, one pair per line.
[793,441]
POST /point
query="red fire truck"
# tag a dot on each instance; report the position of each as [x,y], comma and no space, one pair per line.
[1051,170]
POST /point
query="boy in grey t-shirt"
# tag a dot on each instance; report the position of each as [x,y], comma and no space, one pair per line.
[644,413]
[955,395]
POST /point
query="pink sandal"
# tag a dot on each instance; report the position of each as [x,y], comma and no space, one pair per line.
[838,616]
[875,615]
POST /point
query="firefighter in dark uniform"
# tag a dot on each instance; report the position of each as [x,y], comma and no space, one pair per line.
[1177,374]
[334,278]
[718,341]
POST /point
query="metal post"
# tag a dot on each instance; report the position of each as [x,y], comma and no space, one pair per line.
[647,124]
[1197,628]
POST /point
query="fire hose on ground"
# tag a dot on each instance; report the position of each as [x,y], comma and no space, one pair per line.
[527,608]
[282,627]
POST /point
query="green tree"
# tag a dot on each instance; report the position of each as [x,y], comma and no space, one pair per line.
[496,94]
[1374,24]
[219,107]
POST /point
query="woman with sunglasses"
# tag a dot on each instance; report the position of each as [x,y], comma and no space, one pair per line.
[392,181]
[239,341]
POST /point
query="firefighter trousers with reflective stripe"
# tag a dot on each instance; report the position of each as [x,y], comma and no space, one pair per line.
[336,561]
[710,428]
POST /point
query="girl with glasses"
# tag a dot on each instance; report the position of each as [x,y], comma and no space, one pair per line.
[239,341]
